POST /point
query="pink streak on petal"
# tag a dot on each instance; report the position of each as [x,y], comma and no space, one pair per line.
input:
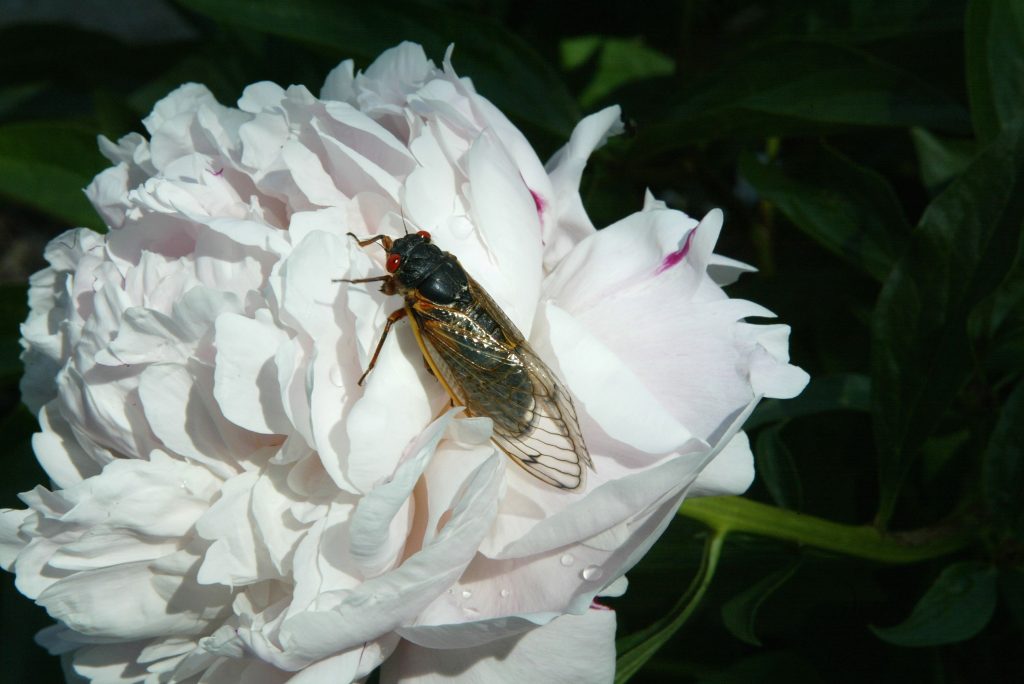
[218,173]
[538,201]
[676,256]
[594,605]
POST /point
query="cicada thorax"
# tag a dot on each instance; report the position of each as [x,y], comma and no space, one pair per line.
[424,270]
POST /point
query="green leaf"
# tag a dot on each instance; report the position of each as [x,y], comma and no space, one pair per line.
[796,88]
[962,249]
[504,68]
[46,166]
[955,608]
[619,61]
[635,650]
[840,392]
[777,469]
[940,160]
[996,326]
[575,52]
[740,612]
[1003,466]
[847,208]
[995,64]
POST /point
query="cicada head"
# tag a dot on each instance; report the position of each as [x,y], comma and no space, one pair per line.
[411,258]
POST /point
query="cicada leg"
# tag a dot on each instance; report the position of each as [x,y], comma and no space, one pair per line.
[382,239]
[373,279]
[396,315]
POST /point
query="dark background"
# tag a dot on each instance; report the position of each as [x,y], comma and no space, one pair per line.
[868,155]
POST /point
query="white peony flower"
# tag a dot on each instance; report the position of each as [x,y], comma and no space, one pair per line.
[227,504]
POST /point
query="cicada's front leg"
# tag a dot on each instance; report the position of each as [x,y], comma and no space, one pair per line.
[382,239]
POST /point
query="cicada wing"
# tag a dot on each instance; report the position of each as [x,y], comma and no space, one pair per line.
[495,373]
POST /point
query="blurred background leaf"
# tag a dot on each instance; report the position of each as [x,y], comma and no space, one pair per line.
[956,607]
[46,166]
[995,64]
[963,248]
[847,208]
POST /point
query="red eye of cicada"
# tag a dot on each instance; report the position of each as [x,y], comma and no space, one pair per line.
[423,234]
[394,261]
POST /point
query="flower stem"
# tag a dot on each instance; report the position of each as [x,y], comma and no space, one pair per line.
[636,649]
[736,514]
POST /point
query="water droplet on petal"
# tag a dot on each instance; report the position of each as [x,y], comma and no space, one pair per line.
[591,573]
[466,593]
[567,559]
[504,593]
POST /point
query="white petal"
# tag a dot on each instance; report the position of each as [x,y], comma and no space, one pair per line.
[430,196]
[569,222]
[393,410]
[59,453]
[770,375]
[622,255]
[309,175]
[303,284]
[339,83]
[180,408]
[83,602]
[11,543]
[504,213]
[731,472]
[259,96]
[349,666]
[572,648]
[162,496]
[631,414]
[108,664]
[232,559]
[270,511]
[380,604]
[375,544]
[245,375]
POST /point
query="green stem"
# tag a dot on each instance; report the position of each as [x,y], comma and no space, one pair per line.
[637,649]
[735,514]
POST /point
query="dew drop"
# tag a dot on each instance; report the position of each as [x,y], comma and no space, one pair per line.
[466,593]
[591,573]
[567,559]
[504,593]
[335,375]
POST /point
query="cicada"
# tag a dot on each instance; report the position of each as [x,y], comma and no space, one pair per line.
[481,359]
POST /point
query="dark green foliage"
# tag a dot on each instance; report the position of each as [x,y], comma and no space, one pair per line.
[869,155]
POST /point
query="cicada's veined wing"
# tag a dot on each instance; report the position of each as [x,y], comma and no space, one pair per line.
[494,373]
